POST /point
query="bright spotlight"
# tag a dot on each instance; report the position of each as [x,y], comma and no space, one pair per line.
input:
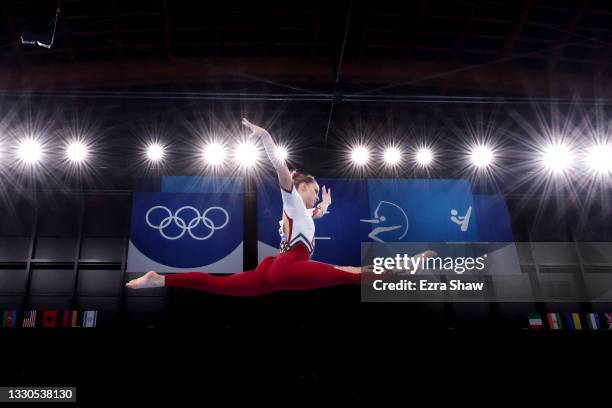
[246,154]
[557,157]
[481,156]
[392,156]
[360,155]
[599,158]
[281,153]
[214,154]
[155,152]
[424,156]
[29,151]
[77,152]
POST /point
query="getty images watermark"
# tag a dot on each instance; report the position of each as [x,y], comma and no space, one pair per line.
[477,272]
[424,271]
[428,261]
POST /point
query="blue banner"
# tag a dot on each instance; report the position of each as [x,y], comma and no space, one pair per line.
[198,228]
[494,225]
[389,210]
[201,184]
[422,211]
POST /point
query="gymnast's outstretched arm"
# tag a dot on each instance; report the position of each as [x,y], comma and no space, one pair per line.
[284,176]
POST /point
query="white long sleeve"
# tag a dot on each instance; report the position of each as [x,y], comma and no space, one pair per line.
[270,148]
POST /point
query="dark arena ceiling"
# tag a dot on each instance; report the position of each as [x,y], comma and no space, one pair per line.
[508,44]
[319,74]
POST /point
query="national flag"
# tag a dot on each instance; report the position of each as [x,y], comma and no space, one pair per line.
[9,318]
[573,321]
[608,320]
[593,321]
[535,321]
[49,318]
[29,318]
[554,321]
[70,318]
[89,318]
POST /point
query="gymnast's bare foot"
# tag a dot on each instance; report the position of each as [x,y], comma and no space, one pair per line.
[150,279]
[418,259]
[349,269]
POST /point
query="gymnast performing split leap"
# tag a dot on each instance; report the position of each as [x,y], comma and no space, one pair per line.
[292,268]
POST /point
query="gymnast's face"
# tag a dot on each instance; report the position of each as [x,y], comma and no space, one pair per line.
[309,193]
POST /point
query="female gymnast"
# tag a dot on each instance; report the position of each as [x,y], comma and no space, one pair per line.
[292,268]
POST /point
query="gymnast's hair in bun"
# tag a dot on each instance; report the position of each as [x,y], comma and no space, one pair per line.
[299,178]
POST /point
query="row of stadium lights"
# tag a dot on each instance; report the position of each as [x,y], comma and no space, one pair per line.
[556,157]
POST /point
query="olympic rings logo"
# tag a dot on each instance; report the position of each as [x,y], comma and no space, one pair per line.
[186,227]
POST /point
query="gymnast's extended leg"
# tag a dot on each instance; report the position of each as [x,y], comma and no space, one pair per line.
[248,283]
